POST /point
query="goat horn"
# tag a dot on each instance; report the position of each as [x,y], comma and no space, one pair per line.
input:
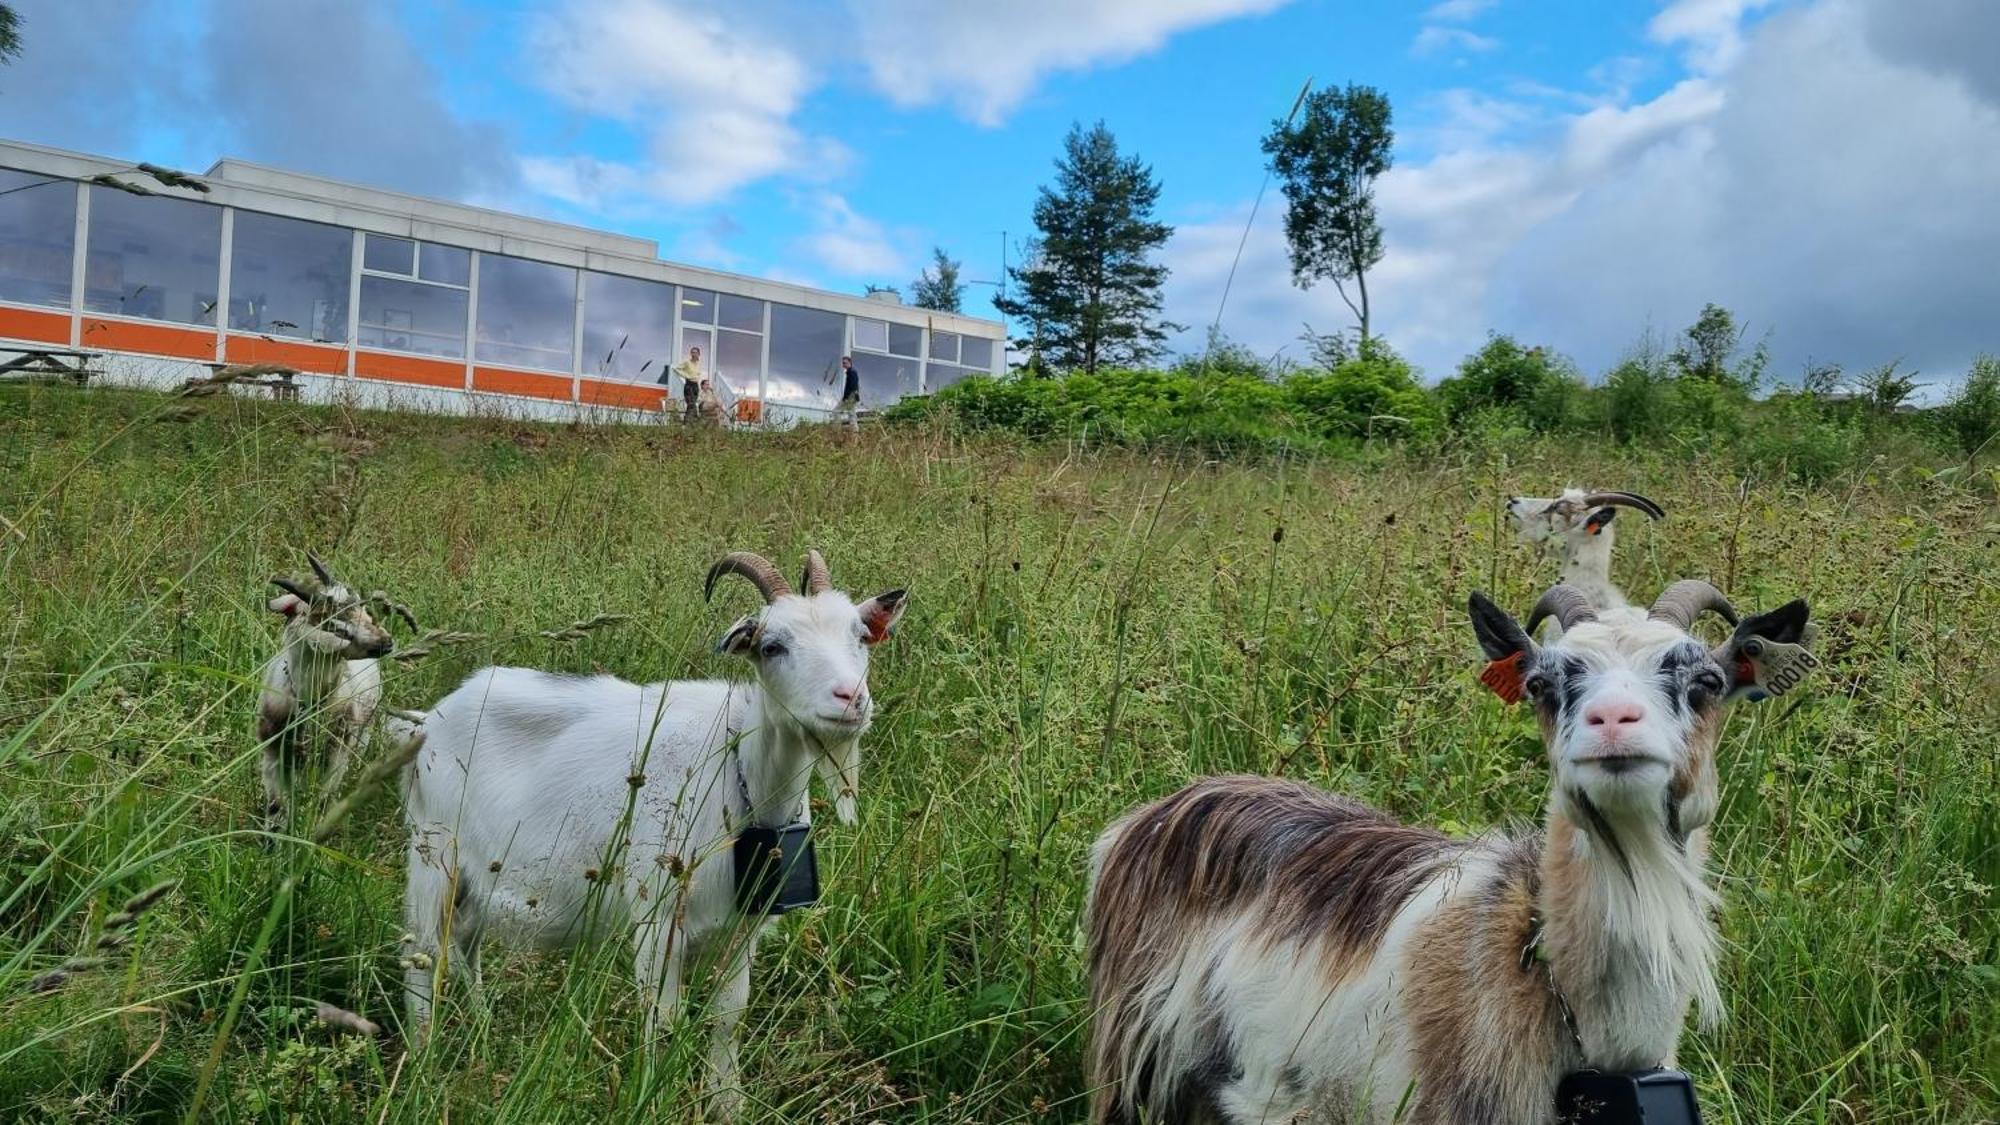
[1566,604]
[319,568]
[1626,500]
[293,588]
[1682,603]
[756,568]
[815,580]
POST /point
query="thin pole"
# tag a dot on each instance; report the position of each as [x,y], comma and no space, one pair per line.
[1241,242]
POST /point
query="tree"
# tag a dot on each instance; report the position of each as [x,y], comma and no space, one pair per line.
[1532,382]
[1886,389]
[10,34]
[1089,292]
[1708,344]
[938,286]
[1328,162]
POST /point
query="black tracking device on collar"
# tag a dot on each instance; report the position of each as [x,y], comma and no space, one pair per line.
[1632,1097]
[775,869]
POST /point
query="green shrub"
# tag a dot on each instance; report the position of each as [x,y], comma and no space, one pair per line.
[1533,383]
[1973,415]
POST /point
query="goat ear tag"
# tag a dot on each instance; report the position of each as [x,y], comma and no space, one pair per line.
[286,604]
[1504,677]
[1766,668]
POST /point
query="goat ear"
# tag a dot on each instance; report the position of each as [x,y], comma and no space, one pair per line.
[319,640]
[286,604]
[880,613]
[1767,655]
[1506,645]
[741,639]
[1598,520]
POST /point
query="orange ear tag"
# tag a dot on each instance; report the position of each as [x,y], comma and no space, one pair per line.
[1504,676]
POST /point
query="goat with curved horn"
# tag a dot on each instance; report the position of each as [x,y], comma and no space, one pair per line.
[325,576]
[744,564]
[1566,604]
[816,580]
[1625,500]
[295,589]
[1682,603]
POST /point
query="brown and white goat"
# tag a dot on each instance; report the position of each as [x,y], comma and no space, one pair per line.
[323,688]
[1579,523]
[1263,951]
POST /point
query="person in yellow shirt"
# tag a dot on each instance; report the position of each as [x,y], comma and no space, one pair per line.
[692,381]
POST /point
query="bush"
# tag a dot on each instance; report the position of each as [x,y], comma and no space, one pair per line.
[1972,417]
[1534,383]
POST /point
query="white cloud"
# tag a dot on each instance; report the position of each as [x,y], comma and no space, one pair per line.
[1830,188]
[984,59]
[712,95]
[1436,40]
[846,243]
[1711,31]
[1455,11]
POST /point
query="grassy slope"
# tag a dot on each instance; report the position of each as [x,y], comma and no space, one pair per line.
[1086,633]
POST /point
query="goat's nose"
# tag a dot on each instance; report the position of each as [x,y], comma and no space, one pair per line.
[1613,713]
[846,694]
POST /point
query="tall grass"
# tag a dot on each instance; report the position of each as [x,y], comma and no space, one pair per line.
[1087,631]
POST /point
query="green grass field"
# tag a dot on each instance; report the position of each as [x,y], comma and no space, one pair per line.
[1088,630]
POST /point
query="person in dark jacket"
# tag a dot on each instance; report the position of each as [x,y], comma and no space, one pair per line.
[850,394]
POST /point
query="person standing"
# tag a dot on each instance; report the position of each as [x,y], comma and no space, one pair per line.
[850,394]
[689,371]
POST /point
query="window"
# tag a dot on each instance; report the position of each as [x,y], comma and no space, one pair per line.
[738,358]
[153,257]
[944,346]
[422,307]
[37,238]
[805,355]
[628,328]
[698,306]
[410,316]
[944,375]
[885,378]
[527,313]
[906,339]
[975,352]
[871,335]
[740,313]
[390,255]
[289,278]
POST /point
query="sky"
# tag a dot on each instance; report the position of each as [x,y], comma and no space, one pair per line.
[1575,173]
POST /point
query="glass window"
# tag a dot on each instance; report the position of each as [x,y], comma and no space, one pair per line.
[805,355]
[290,278]
[943,375]
[37,238]
[944,346]
[740,312]
[702,338]
[698,306]
[390,255]
[738,356]
[527,313]
[409,316]
[906,339]
[628,328]
[153,257]
[885,378]
[975,352]
[871,335]
[446,265]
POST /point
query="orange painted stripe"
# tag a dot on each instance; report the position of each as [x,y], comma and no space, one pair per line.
[520,383]
[640,396]
[409,369]
[306,357]
[152,339]
[25,324]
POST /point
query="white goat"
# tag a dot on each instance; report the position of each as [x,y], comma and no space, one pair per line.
[545,810]
[1260,949]
[322,689]
[1580,522]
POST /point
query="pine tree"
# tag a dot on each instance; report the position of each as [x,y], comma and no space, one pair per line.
[1089,292]
[938,286]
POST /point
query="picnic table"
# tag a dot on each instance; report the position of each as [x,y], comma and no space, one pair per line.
[66,362]
[282,380]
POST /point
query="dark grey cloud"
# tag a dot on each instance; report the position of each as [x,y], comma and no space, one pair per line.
[334,87]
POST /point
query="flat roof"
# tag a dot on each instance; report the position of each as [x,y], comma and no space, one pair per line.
[256,187]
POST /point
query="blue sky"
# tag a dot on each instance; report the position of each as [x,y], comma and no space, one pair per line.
[1574,173]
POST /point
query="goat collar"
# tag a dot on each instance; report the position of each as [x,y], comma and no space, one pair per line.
[1534,953]
[743,784]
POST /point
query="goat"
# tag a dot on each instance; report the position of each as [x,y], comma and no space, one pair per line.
[1260,949]
[322,690]
[1581,522]
[546,811]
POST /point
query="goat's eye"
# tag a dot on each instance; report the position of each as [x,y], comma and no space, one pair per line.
[1535,684]
[771,649]
[1708,681]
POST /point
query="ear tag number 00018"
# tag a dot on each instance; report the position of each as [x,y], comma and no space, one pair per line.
[775,869]
[1633,1097]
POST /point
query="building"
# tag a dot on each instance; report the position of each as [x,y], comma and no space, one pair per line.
[390,299]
